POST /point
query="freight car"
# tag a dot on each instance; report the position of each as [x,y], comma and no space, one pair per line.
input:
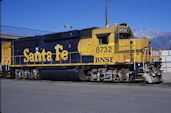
[96,54]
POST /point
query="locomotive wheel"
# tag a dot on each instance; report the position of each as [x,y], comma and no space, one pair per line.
[38,77]
[81,75]
[131,78]
[30,76]
[35,75]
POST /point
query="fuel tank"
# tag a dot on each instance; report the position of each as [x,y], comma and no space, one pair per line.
[62,75]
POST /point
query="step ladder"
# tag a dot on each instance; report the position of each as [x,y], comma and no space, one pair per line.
[0,67]
[0,70]
[5,67]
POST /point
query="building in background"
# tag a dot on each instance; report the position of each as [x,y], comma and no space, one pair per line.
[14,32]
[166,60]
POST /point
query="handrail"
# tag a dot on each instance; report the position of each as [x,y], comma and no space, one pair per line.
[156,56]
[7,61]
[144,57]
[69,55]
[7,64]
[160,54]
[1,64]
[151,55]
[2,60]
[135,52]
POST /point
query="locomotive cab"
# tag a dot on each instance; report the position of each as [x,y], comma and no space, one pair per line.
[119,54]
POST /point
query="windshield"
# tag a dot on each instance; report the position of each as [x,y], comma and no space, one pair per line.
[124,36]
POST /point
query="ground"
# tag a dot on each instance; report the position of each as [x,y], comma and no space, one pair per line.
[43,96]
[166,77]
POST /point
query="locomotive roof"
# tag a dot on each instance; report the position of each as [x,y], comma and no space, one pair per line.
[83,33]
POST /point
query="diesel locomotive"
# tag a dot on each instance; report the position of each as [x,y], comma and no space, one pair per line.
[96,54]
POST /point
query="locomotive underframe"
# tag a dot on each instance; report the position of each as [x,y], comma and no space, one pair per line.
[116,73]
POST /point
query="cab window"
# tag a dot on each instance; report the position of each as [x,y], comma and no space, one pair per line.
[103,38]
[124,36]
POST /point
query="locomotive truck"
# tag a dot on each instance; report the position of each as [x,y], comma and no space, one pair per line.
[96,54]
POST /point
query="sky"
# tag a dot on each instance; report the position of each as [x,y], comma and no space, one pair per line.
[52,15]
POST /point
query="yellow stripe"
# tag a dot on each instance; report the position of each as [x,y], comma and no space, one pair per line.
[139,79]
[141,67]
[74,64]
[140,73]
[69,64]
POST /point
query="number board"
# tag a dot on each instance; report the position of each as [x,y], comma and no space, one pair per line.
[104,49]
[123,30]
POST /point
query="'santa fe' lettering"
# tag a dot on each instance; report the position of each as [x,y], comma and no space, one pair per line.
[45,56]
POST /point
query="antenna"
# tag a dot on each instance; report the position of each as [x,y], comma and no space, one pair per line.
[106,12]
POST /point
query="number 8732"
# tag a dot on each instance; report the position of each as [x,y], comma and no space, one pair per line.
[105,49]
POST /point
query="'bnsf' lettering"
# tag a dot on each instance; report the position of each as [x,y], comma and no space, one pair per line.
[104,59]
[45,56]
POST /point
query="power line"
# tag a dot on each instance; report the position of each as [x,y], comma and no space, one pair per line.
[106,11]
[7,29]
[25,28]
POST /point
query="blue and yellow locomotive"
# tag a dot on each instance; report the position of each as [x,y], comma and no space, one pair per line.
[96,54]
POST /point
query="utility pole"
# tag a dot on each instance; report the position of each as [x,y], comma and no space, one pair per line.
[106,11]
[0,45]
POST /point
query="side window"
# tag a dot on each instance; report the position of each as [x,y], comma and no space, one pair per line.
[124,36]
[116,36]
[103,38]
